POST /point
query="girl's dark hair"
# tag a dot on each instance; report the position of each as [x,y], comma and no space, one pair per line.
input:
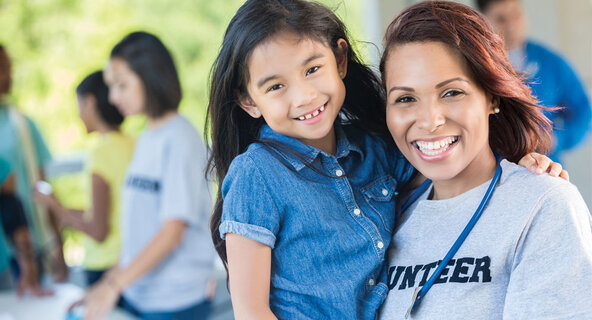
[151,61]
[232,129]
[5,69]
[520,127]
[94,85]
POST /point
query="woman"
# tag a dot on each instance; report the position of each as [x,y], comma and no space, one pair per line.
[23,146]
[166,257]
[106,168]
[456,108]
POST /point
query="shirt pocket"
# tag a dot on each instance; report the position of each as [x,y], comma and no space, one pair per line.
[380,197]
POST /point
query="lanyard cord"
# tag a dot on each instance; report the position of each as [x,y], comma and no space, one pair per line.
[415,195]
[421,292]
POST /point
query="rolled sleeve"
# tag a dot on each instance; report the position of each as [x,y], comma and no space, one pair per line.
[250,231]
[249,208]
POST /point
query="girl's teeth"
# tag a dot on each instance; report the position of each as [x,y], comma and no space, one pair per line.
[311,115]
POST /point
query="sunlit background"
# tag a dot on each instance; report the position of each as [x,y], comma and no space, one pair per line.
[55,43]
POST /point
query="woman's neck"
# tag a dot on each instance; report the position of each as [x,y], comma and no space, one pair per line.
[478,171]
[154,123]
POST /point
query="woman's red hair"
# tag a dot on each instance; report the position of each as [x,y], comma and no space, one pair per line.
[520,127]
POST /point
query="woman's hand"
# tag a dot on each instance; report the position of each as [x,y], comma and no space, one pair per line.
[46,200]
[539,164]
[100,299]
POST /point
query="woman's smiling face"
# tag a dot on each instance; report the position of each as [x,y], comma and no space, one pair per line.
[437,114]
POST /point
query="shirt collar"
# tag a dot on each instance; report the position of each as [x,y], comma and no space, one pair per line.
[307,153]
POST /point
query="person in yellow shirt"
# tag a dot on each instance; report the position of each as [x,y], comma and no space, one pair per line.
[106,168]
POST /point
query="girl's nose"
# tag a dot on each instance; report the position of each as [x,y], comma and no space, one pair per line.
[304,94]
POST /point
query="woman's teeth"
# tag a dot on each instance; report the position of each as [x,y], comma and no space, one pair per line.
[433,148]
[312,115]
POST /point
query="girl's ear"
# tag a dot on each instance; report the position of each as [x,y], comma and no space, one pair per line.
[247,104]
[341,57]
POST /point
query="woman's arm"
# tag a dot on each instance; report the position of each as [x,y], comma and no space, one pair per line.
[102,297]
[98,226]
[249,270]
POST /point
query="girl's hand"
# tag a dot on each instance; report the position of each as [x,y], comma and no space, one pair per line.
[539,164]
[28,283]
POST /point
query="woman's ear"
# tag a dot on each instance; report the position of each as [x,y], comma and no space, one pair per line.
[495,105]
[341,57]
[247,104]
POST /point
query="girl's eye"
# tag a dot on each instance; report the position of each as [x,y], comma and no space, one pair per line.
[452,93]
[312,70]
[275,87]
[405,99]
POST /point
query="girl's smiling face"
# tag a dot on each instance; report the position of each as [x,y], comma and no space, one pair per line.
[296,84]
[437,114]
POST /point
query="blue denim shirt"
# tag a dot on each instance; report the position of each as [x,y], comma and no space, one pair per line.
[328,234]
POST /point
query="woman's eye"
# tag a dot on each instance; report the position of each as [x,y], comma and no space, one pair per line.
[405,99]
[312,70]
[452,93]
[275,87]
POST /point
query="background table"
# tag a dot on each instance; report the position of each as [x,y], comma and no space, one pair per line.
[48,308]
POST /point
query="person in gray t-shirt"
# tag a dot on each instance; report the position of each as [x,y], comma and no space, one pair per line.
[167,257]
[455,108]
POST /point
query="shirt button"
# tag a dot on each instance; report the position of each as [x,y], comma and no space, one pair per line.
[384,192]
[380,245]
[357,211]
[371,282]
[338,172]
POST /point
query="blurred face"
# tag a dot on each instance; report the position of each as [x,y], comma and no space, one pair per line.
[295,84]
[5,73]
[436,113]
[508,19]
[126,91]
[87,110]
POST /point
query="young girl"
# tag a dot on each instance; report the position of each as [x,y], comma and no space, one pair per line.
[305,206]
[456,107]
[166,256]
[106,166]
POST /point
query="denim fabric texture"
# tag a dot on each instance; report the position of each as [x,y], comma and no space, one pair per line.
[328,234]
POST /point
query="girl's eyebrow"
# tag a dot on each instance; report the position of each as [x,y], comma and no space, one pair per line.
[313,57]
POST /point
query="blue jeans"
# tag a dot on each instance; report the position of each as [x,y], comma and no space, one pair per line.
[199,311]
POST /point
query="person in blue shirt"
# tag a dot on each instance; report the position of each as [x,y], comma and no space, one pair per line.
[308,174]
[13,229]
[552,80]
[23,146]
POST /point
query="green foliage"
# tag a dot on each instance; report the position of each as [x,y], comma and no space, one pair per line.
[54,44]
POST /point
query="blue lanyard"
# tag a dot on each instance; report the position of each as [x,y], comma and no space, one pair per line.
[421,292]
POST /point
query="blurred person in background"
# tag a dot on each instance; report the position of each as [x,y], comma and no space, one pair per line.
[25,150]
[552,80]
[167,257]
[106,169]
[14,229]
